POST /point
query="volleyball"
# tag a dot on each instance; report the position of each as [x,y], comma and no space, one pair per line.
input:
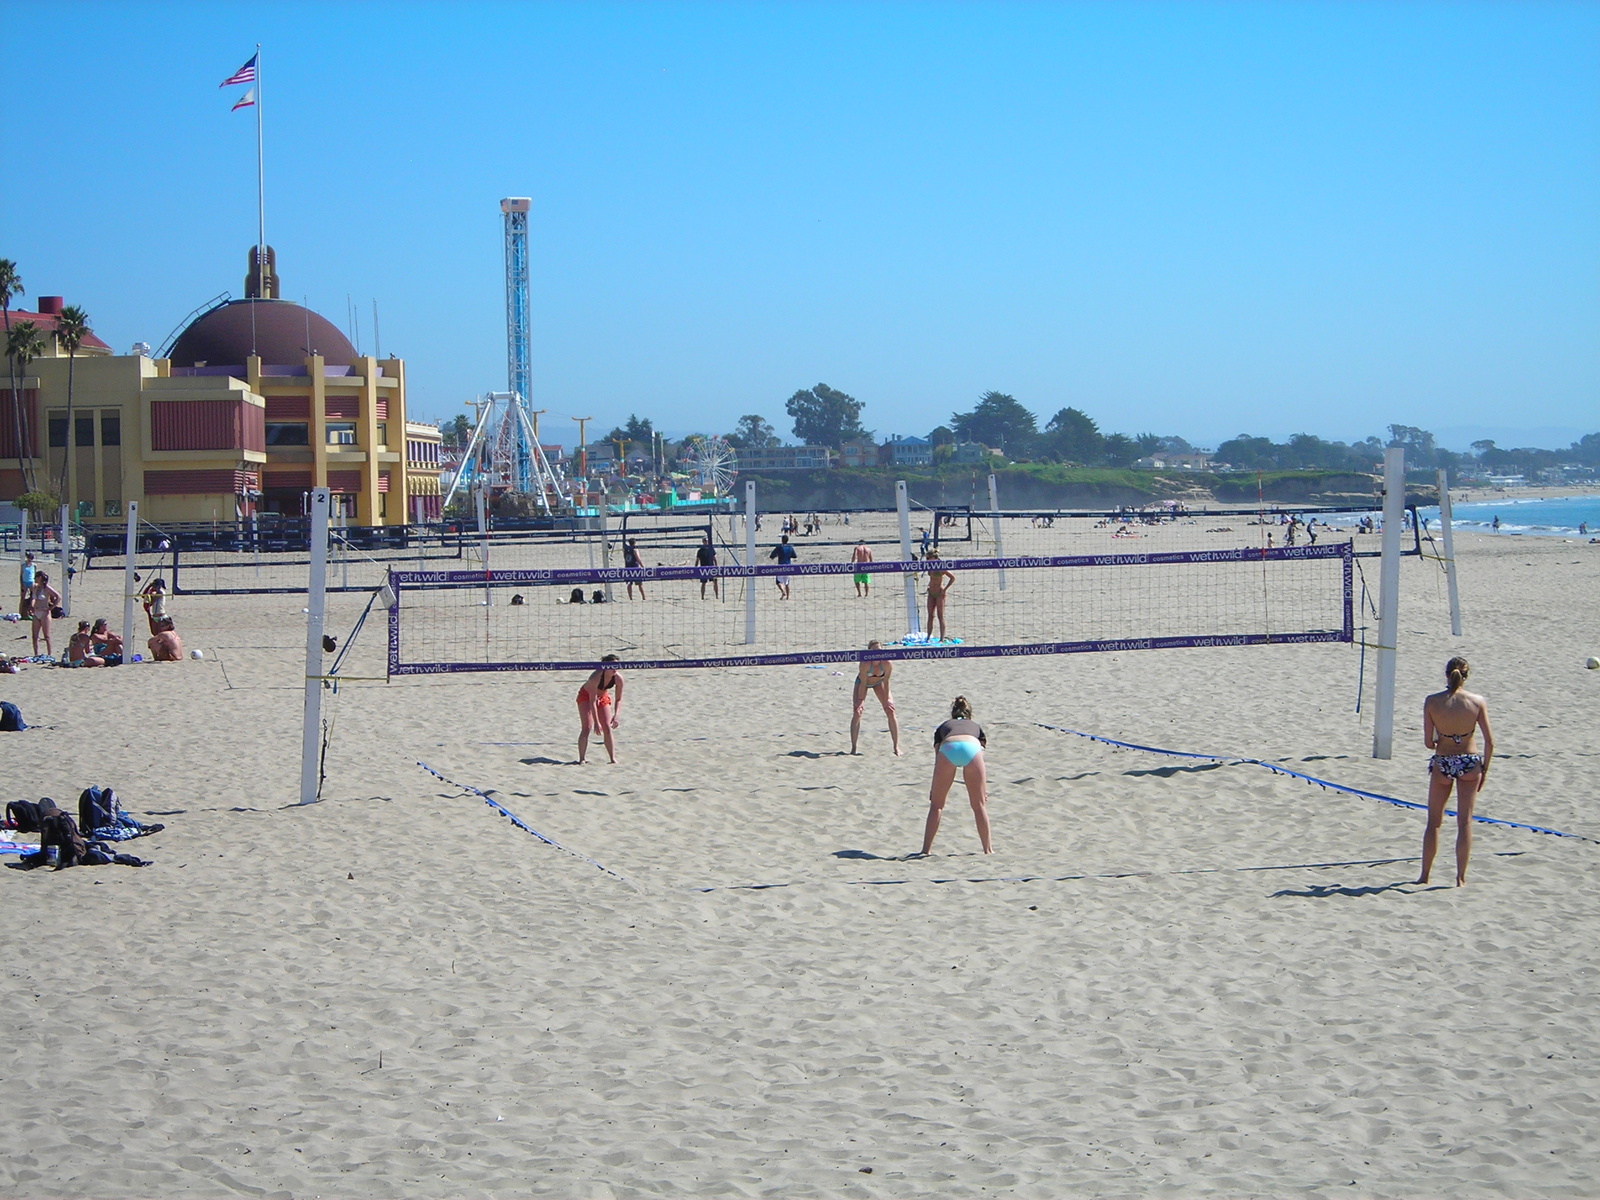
[1593,663]
[195,654]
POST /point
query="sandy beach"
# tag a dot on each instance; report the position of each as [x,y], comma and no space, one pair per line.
[1174,977]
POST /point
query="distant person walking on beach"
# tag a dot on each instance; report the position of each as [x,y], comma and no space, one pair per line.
[785,554]
[959,742]
[873,676]
[597,708]
[1495,524]
[939,581]
[1450,719]
[862,554]
[631,559]
[705,555]
[26,574]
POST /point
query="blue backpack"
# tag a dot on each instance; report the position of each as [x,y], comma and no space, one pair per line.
[11,718]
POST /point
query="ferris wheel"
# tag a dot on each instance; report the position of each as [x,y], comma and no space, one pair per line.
[714,465]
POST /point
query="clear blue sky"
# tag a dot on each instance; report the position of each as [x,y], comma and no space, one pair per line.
[1188,218]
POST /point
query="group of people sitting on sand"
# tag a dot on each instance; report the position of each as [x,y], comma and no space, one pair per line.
[98,646]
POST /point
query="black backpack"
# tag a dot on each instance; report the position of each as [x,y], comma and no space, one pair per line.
[98,808]
[11,718]
[25,815]
[58,829]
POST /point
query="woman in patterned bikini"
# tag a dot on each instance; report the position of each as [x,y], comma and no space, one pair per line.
[1450,720]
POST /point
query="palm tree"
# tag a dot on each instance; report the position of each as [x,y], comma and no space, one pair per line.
[24,343]
[11,285]
[71,325]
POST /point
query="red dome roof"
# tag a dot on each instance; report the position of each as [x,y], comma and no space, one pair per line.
[281,332]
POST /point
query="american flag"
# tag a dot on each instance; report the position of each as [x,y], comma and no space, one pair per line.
[245,74]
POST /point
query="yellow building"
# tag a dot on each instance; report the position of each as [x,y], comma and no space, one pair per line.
[258,401]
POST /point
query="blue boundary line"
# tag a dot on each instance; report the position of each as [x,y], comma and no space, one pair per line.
[1323,783]
[523,825]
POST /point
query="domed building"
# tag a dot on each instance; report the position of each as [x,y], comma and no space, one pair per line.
[258,401]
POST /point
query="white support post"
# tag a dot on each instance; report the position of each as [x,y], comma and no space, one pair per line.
[994,515]
[316,613]
[344,550]
[605,544]
[66,562]
[481,504]
[130,580]
[750,561]
[902,504]
[1394,499]
[1449,540]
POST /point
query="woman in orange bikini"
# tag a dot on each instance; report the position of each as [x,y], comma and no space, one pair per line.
[1450,719]
[597,709]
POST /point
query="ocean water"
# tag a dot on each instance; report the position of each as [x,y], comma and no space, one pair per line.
[1556,517]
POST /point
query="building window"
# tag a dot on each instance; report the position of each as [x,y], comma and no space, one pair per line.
[288,434]
[83,431]
[341,433]
[85,510]
[111,432]
[383,433]
[58,432]
[113,508]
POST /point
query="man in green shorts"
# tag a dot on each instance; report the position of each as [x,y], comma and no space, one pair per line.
[861,554]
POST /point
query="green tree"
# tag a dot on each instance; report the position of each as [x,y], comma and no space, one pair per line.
[999,420]
[825,417]
[24,343]
[11,285]
[72,325]
[636,433]
[1252,453]
[942,436]
[1418,444]
[1119,450]
[1073,436]
[456,432]
[753,432]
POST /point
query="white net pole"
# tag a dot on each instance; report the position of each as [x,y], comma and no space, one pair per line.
[750,561]
[481,504]
[1449,539]
[1394,498]
[994,515]
[903,504]
[130,580]
[66,562]
[316,612]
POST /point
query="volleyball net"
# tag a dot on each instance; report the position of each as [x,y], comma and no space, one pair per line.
[762,614]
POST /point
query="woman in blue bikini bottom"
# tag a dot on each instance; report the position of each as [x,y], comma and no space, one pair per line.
[959,743]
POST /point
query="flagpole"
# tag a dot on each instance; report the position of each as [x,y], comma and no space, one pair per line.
[261,188]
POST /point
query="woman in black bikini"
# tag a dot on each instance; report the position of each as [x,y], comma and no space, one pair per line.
[596,707]
[873,676]
[1450,719]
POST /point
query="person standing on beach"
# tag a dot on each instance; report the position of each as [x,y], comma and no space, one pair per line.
[939,581]
[873,676]
[959,742]
[862,554]
[785,554]
[43,604]
[630,559]
[597,709]
[705,555]
[27,573]
[1450,719]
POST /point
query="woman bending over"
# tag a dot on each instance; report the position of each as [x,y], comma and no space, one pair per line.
[959,742]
